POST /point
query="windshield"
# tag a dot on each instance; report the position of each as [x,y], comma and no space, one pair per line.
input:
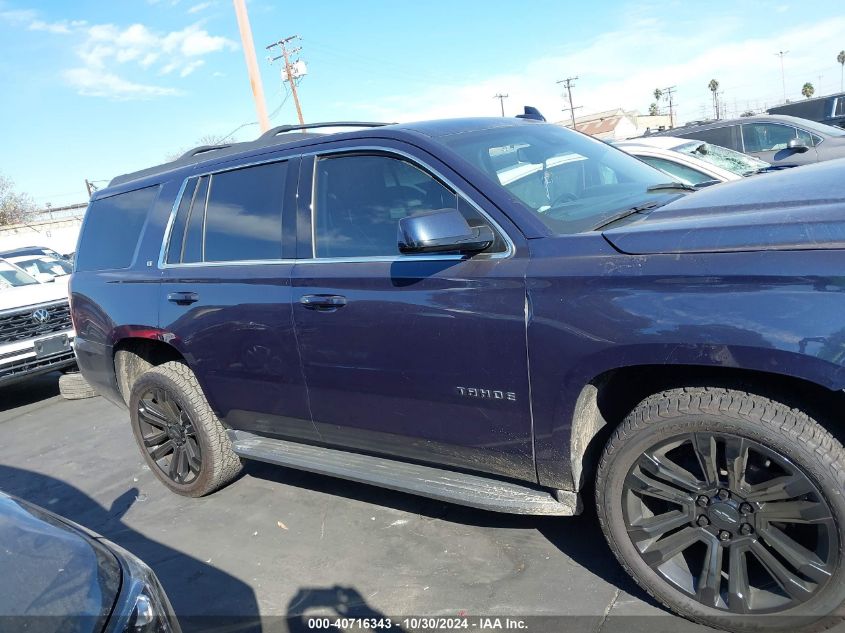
[572,182]
[11,276]
[736,162]
[48,265]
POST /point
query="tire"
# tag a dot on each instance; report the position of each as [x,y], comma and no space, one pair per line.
[730,447]
[167,406]
[73,386]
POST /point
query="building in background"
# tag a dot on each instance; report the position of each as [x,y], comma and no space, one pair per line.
[54,228]
[618,124]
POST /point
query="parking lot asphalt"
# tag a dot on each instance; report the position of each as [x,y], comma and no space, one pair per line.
[279,542]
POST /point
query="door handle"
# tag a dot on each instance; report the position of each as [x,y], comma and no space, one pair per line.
[323,303]
[183,298]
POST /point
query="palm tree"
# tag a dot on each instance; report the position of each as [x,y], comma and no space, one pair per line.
[841,59]
[658,94]
[714,87]
[807,90]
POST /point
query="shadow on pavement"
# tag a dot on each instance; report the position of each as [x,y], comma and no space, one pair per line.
[190,584]
[29,391]
[579,537]
[330,603]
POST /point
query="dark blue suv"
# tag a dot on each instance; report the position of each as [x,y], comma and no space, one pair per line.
[500,313]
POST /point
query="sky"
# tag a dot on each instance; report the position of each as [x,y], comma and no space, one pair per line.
[95,89]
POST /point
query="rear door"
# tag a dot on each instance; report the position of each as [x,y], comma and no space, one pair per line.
[420,357]
[226,295]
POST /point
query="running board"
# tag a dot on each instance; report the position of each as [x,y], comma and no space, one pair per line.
[436,483]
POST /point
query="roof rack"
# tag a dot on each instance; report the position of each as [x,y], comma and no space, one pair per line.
[202,149]
[281,129]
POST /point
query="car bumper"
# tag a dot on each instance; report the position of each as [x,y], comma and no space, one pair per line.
[24,359]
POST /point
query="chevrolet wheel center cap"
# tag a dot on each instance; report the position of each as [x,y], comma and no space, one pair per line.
[724,515]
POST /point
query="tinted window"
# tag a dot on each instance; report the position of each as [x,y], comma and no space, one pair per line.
[192,242]
[766,137]
[839,108]
[177,232]
[723,136]
[112,229]
[244,216]
[360,200]
[686,175]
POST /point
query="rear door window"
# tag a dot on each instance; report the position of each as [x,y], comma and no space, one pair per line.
[112,229]
[725,136]
[230,216]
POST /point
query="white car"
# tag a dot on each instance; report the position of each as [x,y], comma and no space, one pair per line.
[36,333]
[43,267]
[694,163]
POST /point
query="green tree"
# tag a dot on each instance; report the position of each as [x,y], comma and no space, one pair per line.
[653,110]
[714,88]
[807,90]
[14,206]
[658,94]
[841,59]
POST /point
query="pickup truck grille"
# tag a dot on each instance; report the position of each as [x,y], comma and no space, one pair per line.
[20,325]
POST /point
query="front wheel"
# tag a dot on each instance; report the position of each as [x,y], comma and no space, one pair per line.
[182,440]
[728,508]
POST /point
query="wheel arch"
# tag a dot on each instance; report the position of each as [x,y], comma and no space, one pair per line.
[134,355]
[605,401]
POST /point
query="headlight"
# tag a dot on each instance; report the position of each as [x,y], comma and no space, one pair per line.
[149,615]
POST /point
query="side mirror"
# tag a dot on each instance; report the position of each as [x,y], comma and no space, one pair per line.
[797,145]
[441,231]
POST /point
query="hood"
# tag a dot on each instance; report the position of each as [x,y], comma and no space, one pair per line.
[32,294]
[795,209]
[52,569]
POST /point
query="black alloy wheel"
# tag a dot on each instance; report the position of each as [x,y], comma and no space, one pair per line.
[169,436]
[730,523]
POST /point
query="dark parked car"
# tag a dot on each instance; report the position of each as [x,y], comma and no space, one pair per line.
[498,313]
[783,141]
[58,576]
[829,110]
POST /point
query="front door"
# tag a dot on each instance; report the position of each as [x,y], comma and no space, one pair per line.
[420,357]
[226,297]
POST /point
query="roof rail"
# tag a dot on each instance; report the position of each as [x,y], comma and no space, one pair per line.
[202,149]
[280,129]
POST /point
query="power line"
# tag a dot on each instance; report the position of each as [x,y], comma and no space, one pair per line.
[572,107]
[501,99]
[289,69]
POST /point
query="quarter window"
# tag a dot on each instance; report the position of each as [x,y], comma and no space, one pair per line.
[112,229]
[359,200]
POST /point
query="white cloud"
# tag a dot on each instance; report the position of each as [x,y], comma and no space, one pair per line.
[17,17]
[201,6]
[94,83]
[107,46]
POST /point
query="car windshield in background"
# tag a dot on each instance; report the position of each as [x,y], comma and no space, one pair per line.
[47,265]
[11,276]
[572,182]
[736,162]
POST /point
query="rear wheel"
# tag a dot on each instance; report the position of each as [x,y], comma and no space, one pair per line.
[728,508]
[182,440]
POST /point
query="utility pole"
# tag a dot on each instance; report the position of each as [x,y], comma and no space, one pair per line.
[501,99]
[252,64]
[667,93]
[782,74]
[288,69]
[568,81]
